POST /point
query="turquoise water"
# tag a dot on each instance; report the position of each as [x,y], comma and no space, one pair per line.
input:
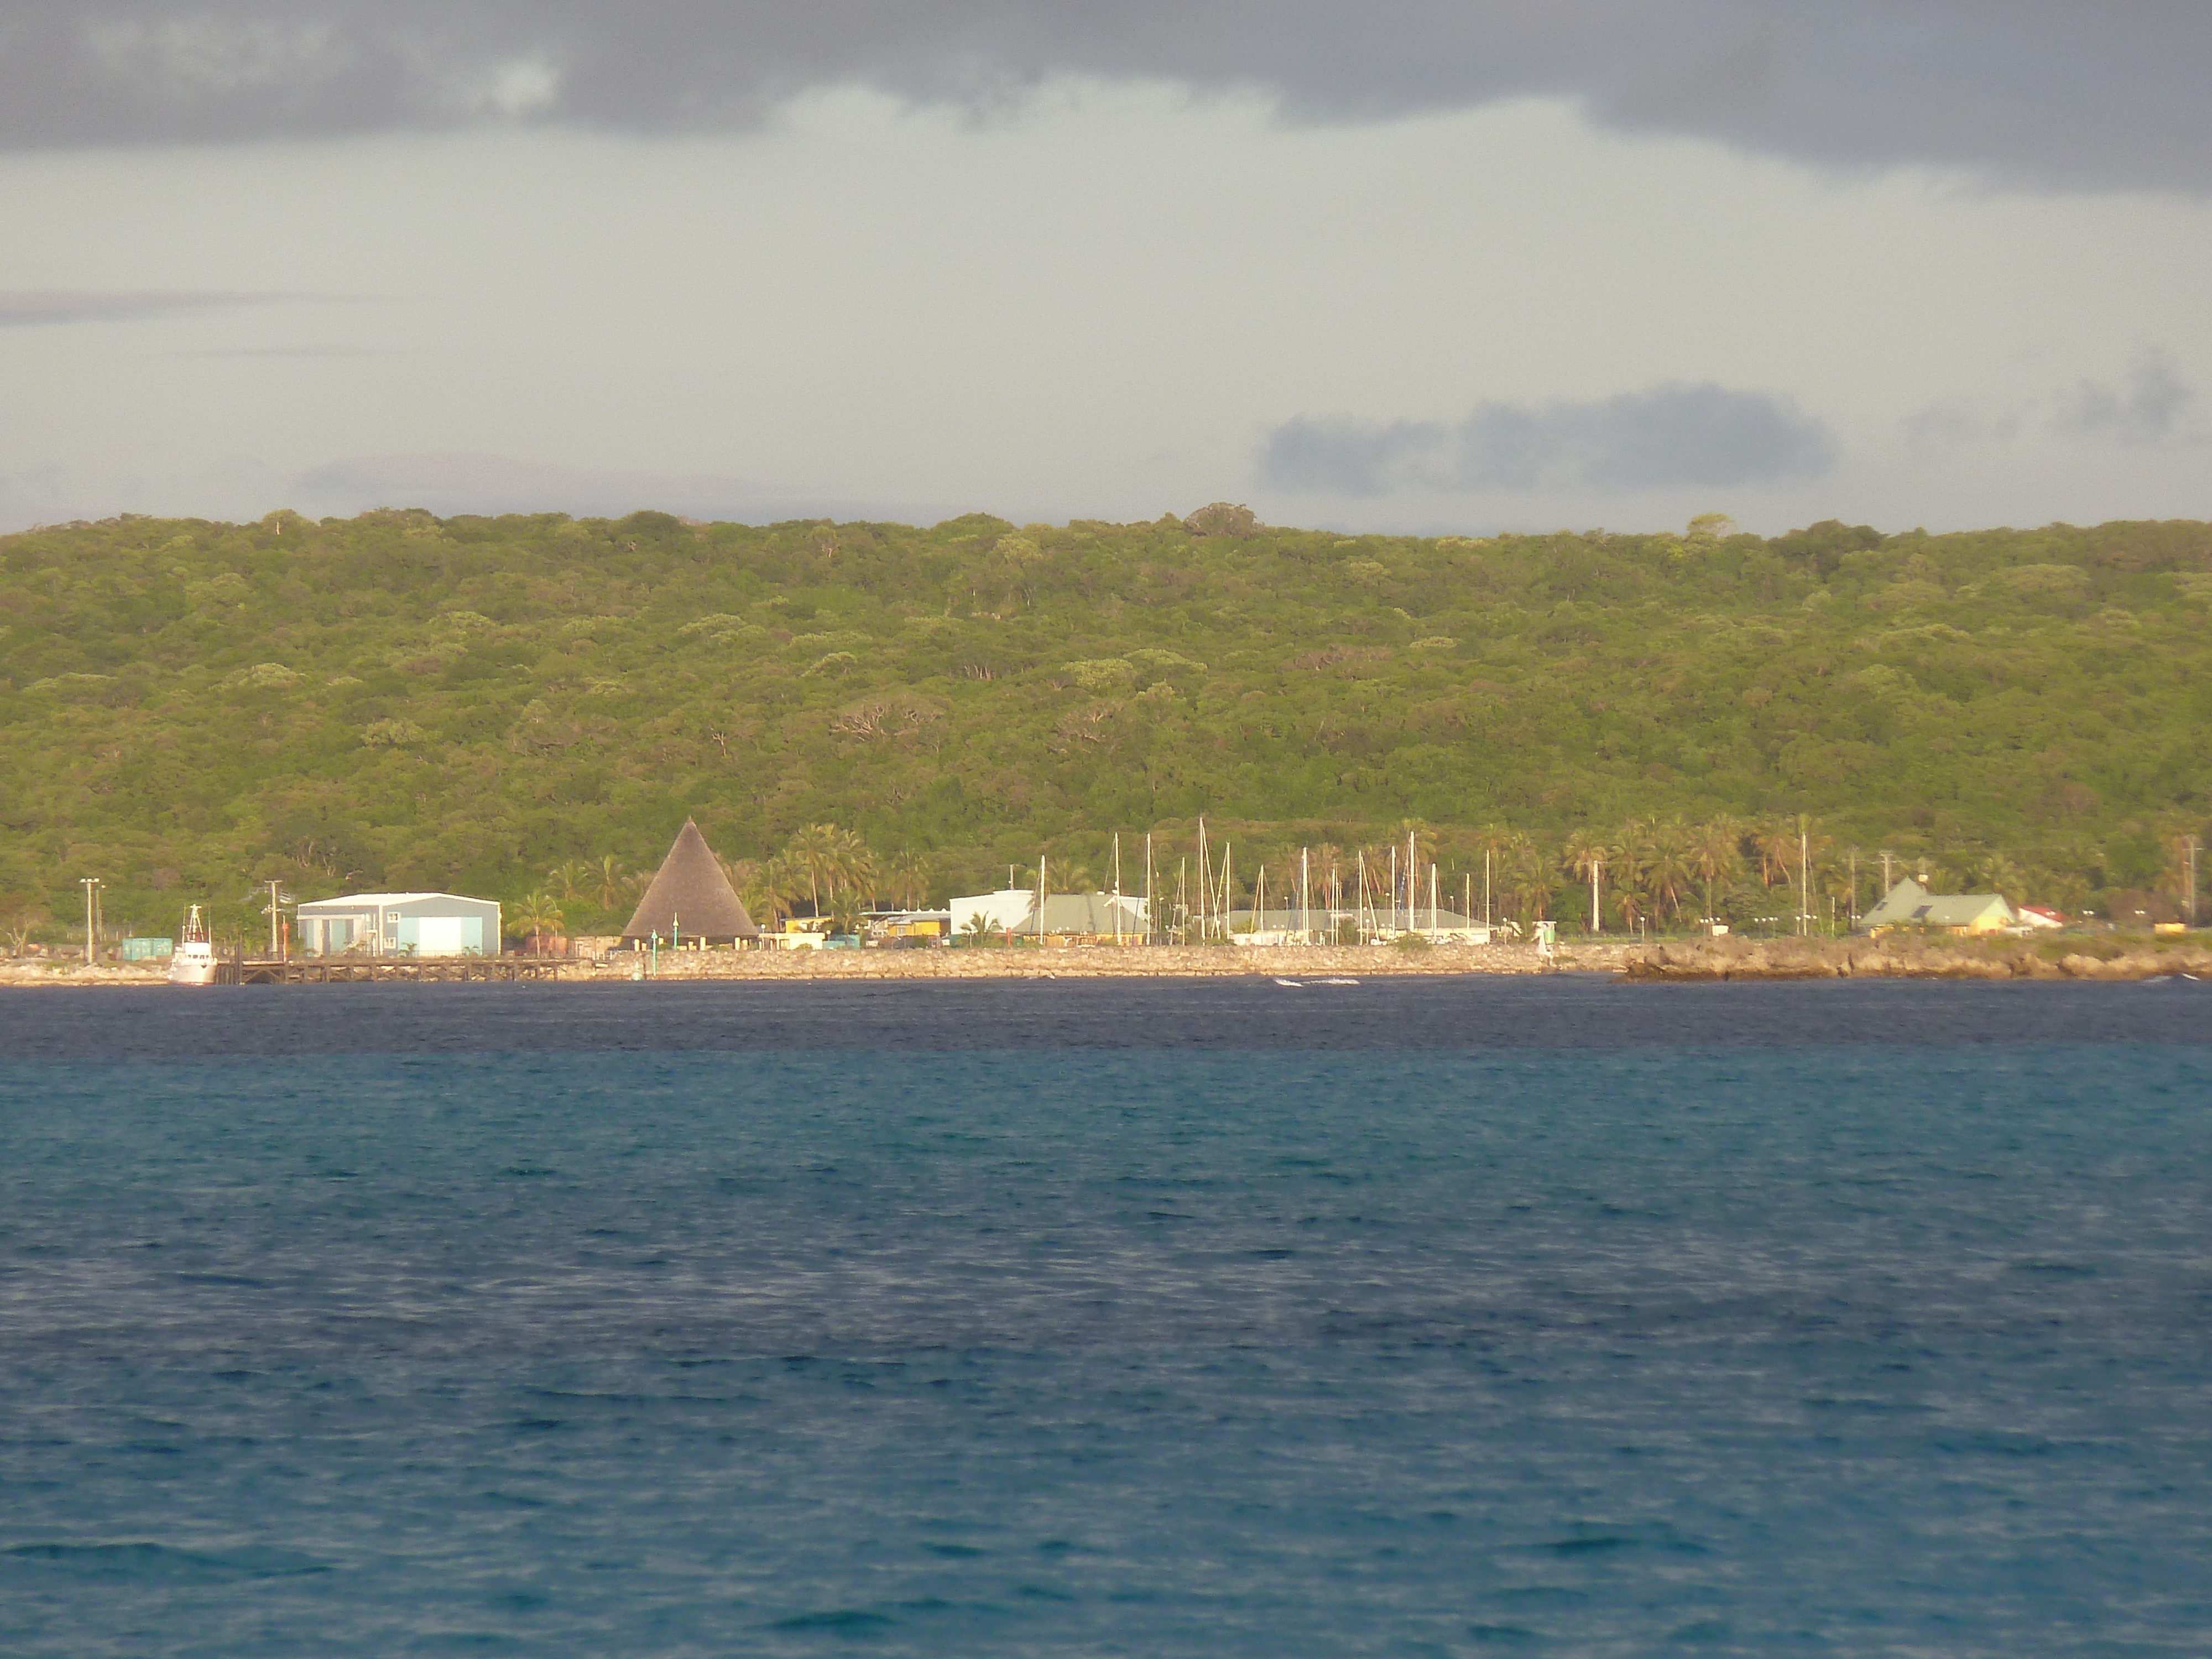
[407,1336]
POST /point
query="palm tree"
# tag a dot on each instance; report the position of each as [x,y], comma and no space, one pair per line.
[855,870]
[765,887]
[1715,855]
[608,881]
[1776,842]
[538,916]
[908,878]
[571,879]
[1325,870]
[1999,874]
[1066,876]
[1424,840]
[1667,873]
[1631,852]
[1583,857]
[816,851]
[1531,879]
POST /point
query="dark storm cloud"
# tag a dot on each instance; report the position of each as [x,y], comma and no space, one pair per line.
[1673,435]
[2045,91]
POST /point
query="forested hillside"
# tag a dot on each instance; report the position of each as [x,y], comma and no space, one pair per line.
[401,701]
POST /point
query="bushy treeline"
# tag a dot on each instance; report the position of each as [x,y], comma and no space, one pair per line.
[401,701]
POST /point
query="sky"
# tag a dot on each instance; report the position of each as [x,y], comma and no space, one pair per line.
[1407,265]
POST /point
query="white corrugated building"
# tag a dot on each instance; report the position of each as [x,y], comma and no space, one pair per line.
[1067,915]
[400,924]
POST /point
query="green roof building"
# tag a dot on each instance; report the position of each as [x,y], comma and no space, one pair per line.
[1909,904]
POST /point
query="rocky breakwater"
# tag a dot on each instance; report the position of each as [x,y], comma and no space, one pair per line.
[1899,956]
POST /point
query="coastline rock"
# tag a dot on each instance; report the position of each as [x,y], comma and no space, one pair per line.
[1897,958]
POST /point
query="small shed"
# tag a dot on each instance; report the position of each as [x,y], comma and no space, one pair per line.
[689,899]
[400,924]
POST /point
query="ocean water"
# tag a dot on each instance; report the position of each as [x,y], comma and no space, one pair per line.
[1416,1317]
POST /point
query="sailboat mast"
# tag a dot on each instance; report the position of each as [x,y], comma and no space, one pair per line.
[1117,887]
[1205,880]
[1413,881]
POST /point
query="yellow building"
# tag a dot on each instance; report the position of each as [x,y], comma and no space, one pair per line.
[1909,904]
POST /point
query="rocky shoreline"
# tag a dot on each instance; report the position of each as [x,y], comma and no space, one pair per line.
[1103,961]
[1895,957]
[1901,956]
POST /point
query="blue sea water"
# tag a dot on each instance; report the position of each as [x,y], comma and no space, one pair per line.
[1424,1317]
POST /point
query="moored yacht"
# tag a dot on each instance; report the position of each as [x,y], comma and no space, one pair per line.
[192,963]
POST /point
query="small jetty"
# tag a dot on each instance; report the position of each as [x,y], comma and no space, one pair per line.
[362,971]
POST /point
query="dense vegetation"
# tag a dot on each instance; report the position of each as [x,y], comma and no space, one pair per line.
[470,703]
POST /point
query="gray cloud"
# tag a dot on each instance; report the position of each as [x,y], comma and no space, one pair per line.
[2045,91]
[2148,410]
[1671,435]
[2150,407]
[28,307]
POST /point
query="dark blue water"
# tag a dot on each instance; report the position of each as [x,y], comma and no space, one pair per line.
[1428,1318]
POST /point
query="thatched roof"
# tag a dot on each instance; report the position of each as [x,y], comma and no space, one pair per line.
[691,893]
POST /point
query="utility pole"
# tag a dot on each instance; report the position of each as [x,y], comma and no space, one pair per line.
[1485,887]
[1804,884]
[1597,871]
[2192,881]
[91,886]
[1855,889]
[1887,860]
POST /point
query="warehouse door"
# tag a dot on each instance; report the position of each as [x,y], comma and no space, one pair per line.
[441,935]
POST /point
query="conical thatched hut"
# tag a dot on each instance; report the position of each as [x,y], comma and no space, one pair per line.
[691,898]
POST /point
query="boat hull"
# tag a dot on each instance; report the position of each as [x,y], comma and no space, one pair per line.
[191,967]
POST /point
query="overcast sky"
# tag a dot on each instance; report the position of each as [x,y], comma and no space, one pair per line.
[1409,265]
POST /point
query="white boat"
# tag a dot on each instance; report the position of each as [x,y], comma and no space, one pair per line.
[192,963]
